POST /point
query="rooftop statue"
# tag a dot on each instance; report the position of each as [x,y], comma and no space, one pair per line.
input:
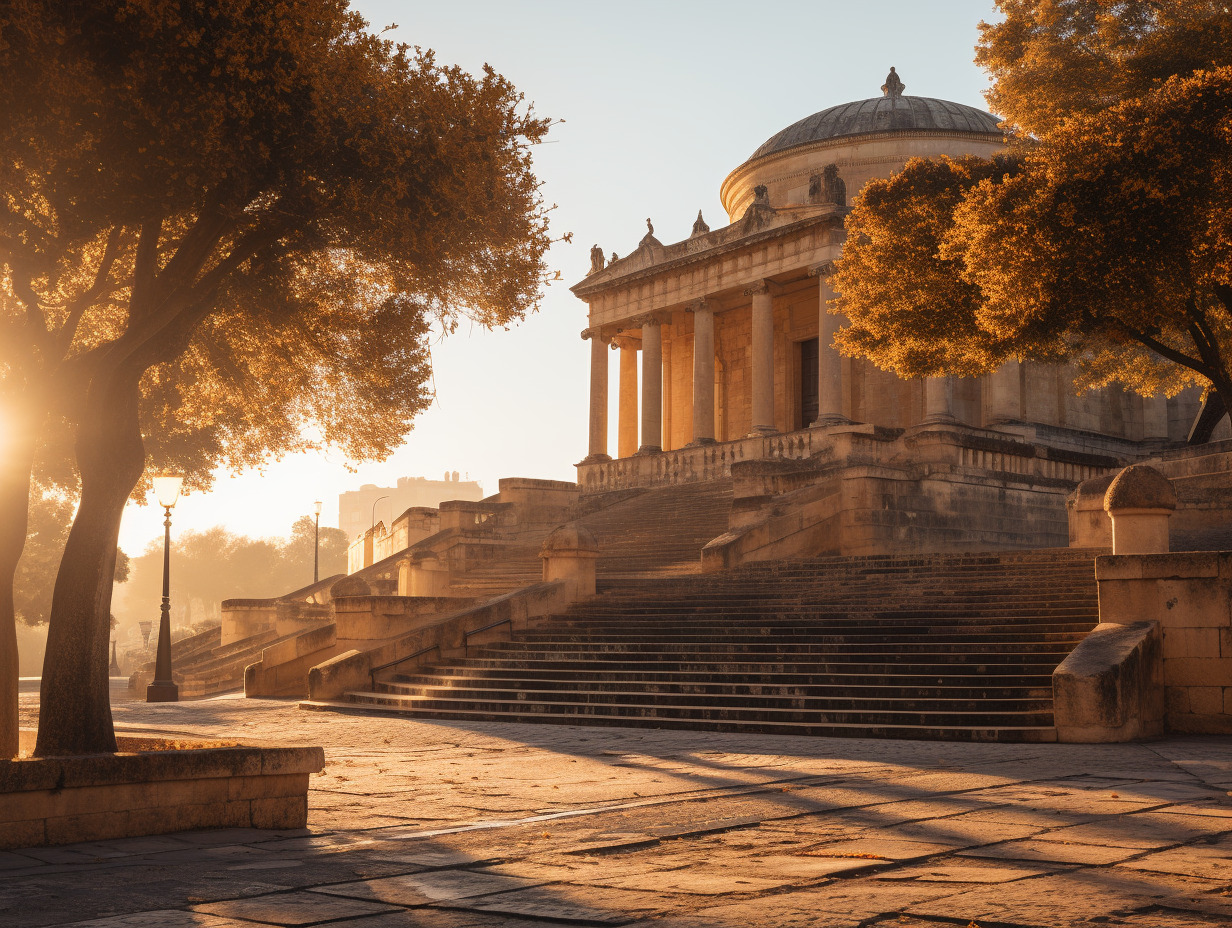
[649,237]
[893,86]
[596,259]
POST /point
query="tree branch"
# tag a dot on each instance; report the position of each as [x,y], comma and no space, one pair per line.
[36,323]
[1165,351]
[77,307]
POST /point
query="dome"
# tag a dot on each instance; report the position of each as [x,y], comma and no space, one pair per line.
[882,114]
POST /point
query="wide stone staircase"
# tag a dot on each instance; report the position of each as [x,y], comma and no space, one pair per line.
[955,647]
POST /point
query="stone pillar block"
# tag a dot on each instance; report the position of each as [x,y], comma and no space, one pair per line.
[939,400]
[703,374]
[763,360]
[1155,417]
[598,399]
[627,438]
[1004,386]
[652,387]
[569,554]
[1140,501]
[425,576]
[829,361]
[1089,525]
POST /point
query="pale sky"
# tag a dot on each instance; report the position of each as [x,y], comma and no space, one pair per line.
[661,100]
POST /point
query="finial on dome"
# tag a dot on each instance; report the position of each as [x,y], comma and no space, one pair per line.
[893,86]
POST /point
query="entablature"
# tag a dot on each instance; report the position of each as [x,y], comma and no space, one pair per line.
[781,254]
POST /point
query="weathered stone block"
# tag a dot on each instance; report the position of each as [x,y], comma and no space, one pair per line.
[1191,642]
[1109,687]
[281,812]
[1197,671]
[1206,700]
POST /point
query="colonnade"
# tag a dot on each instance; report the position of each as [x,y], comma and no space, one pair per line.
[1004,399]
[761,294]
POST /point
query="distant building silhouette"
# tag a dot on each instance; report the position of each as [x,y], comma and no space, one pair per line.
[355,513]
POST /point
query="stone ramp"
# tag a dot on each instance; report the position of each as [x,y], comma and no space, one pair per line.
[955,647]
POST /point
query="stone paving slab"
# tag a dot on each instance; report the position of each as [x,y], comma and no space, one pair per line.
[483,825]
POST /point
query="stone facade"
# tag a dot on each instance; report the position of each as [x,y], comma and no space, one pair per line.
[734,328]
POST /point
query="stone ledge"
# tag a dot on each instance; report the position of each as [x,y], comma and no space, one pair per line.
[153,785]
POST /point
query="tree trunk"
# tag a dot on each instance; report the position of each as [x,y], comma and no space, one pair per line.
[75,712]
[15,465]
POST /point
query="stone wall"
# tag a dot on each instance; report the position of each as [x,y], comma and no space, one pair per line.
[1190,596]
[154,786]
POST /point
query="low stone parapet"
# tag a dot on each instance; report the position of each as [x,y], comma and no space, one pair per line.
[353,670]
[154,785]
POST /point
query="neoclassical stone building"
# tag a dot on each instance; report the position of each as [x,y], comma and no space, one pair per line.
[731,333]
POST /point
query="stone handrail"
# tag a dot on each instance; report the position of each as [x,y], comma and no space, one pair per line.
[352,670]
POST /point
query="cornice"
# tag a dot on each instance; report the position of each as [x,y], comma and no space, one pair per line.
[584,288]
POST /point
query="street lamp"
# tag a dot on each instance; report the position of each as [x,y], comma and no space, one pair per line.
[374,502]
[316,542]
[163,689]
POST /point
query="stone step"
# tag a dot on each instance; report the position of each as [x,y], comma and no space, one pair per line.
[1003,733]
[974,688]
[599,650]
[957,702]
[888,667]
[1003,730]
[844,682]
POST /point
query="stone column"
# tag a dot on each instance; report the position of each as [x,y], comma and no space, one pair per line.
[652,386]
[1140,501]
[1155,417]
[829,361]
[763,359]
[938,400]
[627,425]
[598,398]
[1004,387]
[703,373]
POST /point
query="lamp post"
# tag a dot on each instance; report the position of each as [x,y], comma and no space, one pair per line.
[163,689]
[316,542]
[374,502]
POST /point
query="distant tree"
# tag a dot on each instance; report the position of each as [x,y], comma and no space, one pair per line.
[214,564]
[225,220]
[1104,237]
[298,549]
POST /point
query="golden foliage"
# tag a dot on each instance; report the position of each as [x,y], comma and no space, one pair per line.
[260,203]
[1105,239]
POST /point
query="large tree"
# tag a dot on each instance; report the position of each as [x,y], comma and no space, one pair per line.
[1103,236]
[224,221]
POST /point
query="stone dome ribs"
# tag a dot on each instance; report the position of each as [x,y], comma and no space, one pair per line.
[957,647]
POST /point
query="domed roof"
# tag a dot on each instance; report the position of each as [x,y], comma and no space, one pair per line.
[882,114]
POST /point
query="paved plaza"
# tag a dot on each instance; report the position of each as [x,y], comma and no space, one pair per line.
[471,825]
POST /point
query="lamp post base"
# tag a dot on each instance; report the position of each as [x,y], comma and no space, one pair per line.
[162,692]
